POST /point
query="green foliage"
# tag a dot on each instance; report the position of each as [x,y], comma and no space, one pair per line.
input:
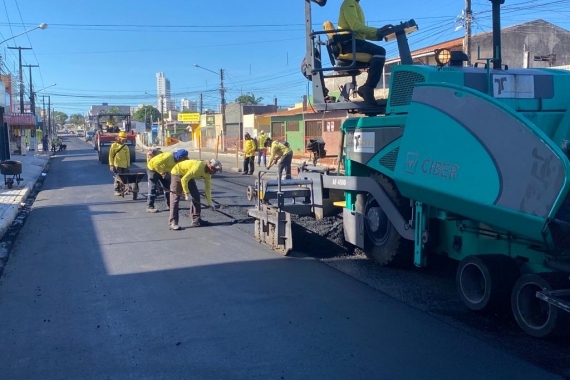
[248,99]
[77,119]
[59,117]
[147,114]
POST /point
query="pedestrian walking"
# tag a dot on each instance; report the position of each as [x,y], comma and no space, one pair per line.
[119,159]
[158,172]
[248,155]
[280,154]
[262,150]
[45,143]
[183,183]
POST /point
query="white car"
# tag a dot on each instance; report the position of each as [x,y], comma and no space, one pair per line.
[80,133]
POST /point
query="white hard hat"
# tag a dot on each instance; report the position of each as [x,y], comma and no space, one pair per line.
[216,164]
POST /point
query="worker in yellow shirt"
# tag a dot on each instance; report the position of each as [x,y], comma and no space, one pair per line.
[248,155]
[158,171]
[280,154]
[119,158]
[183,183]
[262,151]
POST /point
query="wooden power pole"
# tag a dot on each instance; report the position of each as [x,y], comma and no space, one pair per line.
[467,39]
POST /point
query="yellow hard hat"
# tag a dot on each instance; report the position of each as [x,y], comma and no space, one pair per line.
[122,135]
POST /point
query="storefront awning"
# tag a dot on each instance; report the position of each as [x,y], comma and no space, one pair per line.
[20,119]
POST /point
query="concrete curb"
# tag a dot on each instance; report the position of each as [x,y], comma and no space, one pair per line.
[10,214]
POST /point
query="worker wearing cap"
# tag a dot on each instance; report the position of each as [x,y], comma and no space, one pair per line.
[158,171]
[280,154]
[262,151]
[119,158]
[183,183]
[248,155]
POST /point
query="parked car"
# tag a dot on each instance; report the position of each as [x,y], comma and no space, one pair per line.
[89,136]
[80,133]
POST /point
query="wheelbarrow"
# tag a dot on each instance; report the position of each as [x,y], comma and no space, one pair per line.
[129,183]
[11,171]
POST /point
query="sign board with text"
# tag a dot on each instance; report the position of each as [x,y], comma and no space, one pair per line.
[189,117]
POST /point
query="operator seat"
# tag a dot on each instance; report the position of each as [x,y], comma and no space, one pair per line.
[340,58]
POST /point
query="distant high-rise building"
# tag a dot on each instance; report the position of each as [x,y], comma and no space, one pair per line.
[188,105]
[163,93]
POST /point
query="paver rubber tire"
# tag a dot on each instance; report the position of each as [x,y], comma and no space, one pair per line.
[382,242]
[535,316]
[484,282]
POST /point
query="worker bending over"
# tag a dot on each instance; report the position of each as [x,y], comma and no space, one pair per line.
[158,172]
[280,154]
[183,183]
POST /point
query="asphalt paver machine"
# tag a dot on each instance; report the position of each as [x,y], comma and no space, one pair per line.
[465,162]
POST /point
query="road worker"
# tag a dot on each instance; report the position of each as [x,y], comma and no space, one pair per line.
[183,184]
[119,158]
[248,155]
[281,154]
[352,17]
[262,151]
[158,171]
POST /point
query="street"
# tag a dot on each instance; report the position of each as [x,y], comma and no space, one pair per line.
[96,288]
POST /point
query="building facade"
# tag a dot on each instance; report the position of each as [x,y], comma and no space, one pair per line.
[164,100]
[187,105]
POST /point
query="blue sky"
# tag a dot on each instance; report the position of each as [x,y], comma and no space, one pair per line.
[110,51]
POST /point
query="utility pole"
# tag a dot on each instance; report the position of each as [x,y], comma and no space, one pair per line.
[32,97]
[201,103]
[467,39]
[49,116]
[222,93]
[21,76]
[44,114]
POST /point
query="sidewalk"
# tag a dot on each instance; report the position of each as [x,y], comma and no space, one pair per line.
[11,200]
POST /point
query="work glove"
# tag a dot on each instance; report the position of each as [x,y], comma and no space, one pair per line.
[113,169]
[164,175]
[381,32]
[186,197]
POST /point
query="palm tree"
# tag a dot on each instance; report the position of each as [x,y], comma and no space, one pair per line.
[249,99]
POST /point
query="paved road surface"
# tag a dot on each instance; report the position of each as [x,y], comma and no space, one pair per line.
[98,289]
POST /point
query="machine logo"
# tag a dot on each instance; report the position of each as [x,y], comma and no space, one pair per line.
[411,162]
[364,142]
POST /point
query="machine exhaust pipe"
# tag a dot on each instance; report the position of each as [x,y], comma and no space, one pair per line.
[497,33]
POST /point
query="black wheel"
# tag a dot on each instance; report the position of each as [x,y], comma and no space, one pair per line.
[535,316]
[382,242]
[104,154]
[484,282]
[133,154]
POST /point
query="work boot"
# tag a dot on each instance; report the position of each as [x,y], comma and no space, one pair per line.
[152,210]
[367,93]
[244,173]
[117,193]
[174,226]
[196,223]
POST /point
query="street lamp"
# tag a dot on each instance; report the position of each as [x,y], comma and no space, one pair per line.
[223,99]
[41,26]
[45,88]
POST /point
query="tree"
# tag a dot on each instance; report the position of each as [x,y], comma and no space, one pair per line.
[59,117]
[147,114]
[77,119]
[249,99]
